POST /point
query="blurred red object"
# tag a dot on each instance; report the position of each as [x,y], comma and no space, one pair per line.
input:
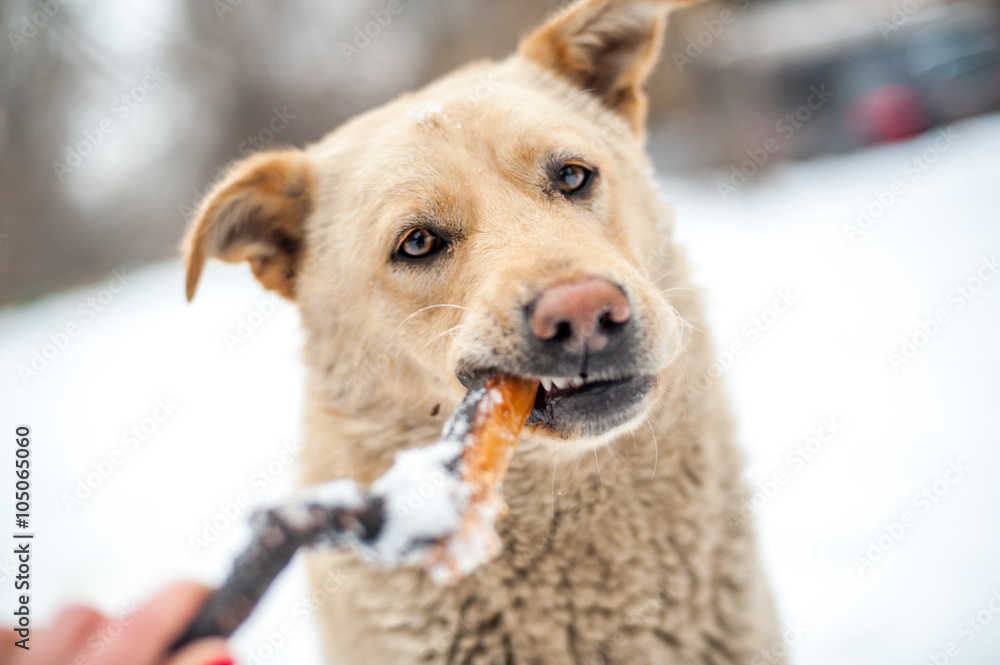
[890,113]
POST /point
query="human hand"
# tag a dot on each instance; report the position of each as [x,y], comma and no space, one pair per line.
[83,636]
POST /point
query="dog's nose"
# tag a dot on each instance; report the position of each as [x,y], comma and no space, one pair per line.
[586,313]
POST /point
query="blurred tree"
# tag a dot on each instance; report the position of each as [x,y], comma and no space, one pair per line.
[40,74]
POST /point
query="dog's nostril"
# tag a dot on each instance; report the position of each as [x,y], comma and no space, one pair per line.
[563,332]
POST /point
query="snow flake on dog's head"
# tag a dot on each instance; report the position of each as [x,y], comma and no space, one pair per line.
[426,115]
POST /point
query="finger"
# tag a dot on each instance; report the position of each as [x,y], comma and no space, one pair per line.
[157,624]
[67,636]
[210,651]
[8,650]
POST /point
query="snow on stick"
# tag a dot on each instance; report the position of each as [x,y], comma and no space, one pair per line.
[450,533]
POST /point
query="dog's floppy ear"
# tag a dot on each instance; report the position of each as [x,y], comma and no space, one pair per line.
[605,46]
[257,214]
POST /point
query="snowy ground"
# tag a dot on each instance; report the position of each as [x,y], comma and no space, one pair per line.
[229,413]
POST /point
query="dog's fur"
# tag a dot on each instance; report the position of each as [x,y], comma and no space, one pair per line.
[617,547]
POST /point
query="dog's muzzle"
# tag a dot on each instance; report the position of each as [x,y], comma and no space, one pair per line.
[580,340]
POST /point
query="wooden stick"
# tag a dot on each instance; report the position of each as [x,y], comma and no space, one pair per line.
[456,535]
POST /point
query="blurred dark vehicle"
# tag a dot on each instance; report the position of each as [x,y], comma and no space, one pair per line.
[889,71]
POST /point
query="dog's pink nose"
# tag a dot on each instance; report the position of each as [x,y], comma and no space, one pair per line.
[580,314]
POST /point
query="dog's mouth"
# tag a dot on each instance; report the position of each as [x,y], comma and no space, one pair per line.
[583,407]
[567,406]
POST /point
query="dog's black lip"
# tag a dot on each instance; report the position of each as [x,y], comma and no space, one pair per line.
[474,378]
[545,397]
[594,400]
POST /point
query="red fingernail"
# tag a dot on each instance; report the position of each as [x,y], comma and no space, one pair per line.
[224,661]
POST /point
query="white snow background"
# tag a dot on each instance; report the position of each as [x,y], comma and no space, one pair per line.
[825,358]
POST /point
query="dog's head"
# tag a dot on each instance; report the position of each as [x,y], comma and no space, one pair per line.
[501,219]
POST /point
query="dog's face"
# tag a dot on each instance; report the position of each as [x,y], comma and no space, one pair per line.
[502,219]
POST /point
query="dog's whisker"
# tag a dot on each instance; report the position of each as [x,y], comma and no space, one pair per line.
[664,276]
[598,461]
[656,448]
[574,95]
[380,190]
[684,323]
[555,465]
[679,403]
[679,288]
[424,309]
[454,329]
[576,468]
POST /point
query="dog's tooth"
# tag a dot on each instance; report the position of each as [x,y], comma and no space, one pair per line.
[546,383]
[561,384]
[576,381]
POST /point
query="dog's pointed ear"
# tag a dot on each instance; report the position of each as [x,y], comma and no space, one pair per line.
[608,47]
[257,213]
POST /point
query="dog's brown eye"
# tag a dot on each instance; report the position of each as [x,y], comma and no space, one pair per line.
[419,243]
[573,178]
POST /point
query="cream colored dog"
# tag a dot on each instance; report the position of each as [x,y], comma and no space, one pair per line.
[505,218]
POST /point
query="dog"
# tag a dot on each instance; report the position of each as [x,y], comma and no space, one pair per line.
[505,218]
